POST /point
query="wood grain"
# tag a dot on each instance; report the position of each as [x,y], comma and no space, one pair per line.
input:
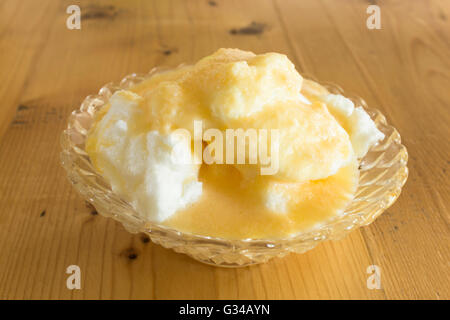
[46,70]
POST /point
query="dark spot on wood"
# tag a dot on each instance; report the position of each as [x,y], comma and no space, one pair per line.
[442,16]
[253,28]
[212,3]
[91,208]
[98,12]
[22,107]
[43,213]
[130,254]
[359,167]
[167,51]
[145,238]
[395,227]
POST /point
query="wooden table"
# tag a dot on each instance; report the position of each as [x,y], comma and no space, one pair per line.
[46,70]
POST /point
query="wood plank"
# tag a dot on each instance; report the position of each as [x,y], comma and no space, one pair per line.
[23,34]
[403,70]
[48,69]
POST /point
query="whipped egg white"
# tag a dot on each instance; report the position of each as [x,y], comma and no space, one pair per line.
[321,137]
[148,169]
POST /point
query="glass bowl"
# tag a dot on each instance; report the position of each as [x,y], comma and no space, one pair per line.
[383,172]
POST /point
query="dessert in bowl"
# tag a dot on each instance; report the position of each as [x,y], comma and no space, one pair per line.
[162,154]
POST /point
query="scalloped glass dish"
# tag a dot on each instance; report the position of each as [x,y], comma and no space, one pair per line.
[383,172]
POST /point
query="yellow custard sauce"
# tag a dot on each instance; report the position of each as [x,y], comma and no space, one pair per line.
[233,209]
[321,137]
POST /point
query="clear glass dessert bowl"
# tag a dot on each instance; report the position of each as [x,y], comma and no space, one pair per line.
[383,172]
